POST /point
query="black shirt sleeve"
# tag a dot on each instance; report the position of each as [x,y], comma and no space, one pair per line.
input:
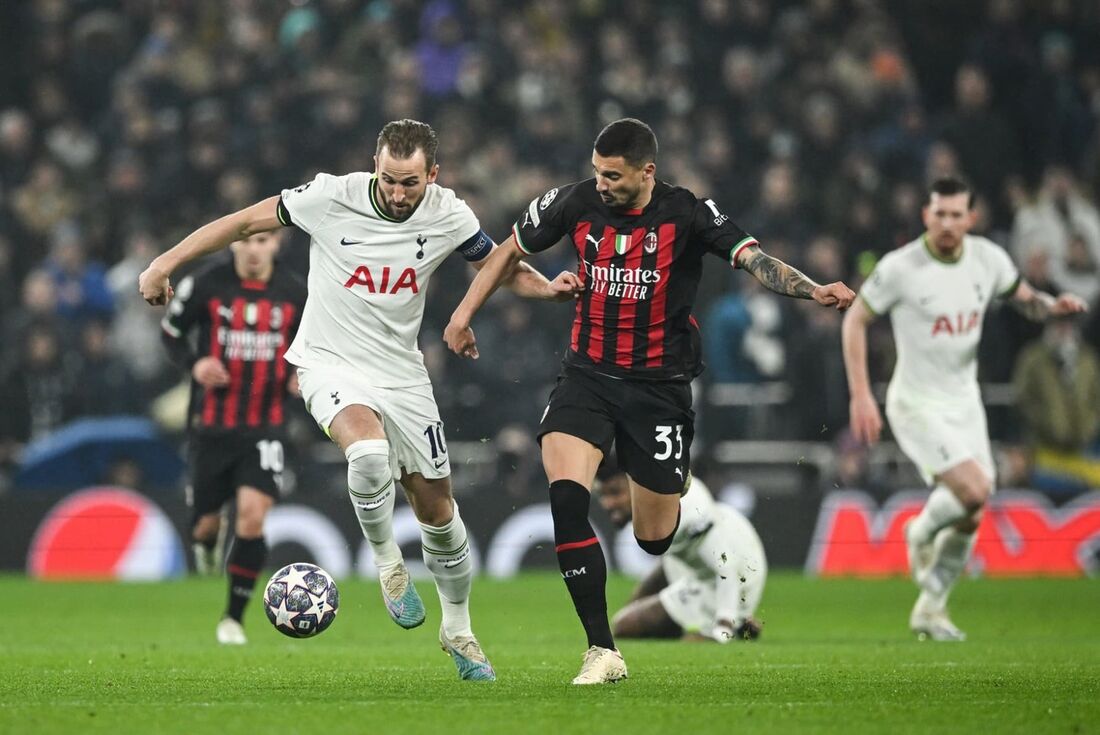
[184,312]
[545,220]
[718,234]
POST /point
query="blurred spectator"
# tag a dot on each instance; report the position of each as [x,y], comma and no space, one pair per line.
[819,387]
[1057,382]
[37,310]
[39,394]
[135,330]
[106,386]
[82,290]
[987,146]
[1064,226]
[741,336]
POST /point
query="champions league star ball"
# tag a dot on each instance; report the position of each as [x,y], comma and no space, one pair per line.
[301,600]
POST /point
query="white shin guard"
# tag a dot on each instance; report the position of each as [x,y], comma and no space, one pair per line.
[447,556]
[372,490]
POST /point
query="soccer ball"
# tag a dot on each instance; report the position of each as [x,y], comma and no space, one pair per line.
[301,600]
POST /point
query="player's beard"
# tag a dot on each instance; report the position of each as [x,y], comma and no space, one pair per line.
[947,243]
[399,213]
[623,199]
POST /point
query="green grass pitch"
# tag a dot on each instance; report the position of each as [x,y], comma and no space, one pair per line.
[835,657]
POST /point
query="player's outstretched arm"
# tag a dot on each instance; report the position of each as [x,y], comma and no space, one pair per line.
[1038,305]
[787,280]
[496,268]
[260,217]
[525,281]
[863,414]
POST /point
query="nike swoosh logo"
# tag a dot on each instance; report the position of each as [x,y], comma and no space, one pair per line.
[345,241]
[440,463]
[594,241]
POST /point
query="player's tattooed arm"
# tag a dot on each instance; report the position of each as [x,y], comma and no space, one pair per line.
[1039,306]
[776,275]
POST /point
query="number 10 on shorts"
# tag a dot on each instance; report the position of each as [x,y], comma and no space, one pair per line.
[664,440]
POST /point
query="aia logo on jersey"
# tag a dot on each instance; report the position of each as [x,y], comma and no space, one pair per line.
[364,278]
[960,326]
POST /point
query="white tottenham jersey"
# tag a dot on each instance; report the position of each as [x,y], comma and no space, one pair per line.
[368,274]
[936,309]
[718,545]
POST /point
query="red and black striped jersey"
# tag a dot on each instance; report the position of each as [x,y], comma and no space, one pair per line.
[641,271]
[248,325]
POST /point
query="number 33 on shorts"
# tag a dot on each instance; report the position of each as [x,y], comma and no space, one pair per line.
[669,437]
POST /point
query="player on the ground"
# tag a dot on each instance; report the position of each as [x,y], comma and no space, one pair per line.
[709,582]
[376,238]
[230,324]
[936,290]
[626,379]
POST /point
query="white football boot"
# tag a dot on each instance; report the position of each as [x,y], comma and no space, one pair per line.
[402,601]
[469,659]
[930,623]
[601,666]
[231,633]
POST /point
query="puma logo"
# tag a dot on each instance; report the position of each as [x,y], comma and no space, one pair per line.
[594,241]
[335,398]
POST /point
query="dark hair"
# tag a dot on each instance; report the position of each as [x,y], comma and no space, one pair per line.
[947,186]
[632,139]
[404,137]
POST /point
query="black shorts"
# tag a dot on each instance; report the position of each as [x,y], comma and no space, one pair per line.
[222,463]
[650,423]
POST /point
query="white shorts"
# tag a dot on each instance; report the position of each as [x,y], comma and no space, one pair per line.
[937,439]
[410,417]
[692,602]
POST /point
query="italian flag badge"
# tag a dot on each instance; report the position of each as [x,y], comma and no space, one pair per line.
[622,244]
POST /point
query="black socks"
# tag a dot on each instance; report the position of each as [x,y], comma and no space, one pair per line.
[580,559]
[244,565]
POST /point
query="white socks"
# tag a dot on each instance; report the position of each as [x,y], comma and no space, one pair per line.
[942,509]
[447,556]
[950,553]
[372,491]
[371,487]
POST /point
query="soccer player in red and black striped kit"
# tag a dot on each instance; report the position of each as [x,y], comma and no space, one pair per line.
[231,324]
[635,348]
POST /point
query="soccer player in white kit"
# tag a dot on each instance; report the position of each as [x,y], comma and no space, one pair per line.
[709,582]
[376,238]
[936,290]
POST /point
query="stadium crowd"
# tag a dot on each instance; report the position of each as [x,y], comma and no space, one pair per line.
[124,124]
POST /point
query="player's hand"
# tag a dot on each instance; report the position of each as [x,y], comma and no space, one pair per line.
[834,294]
[1068,303]
[864,418]
[154,286]
[209,372]
[460,339]
[565,287]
